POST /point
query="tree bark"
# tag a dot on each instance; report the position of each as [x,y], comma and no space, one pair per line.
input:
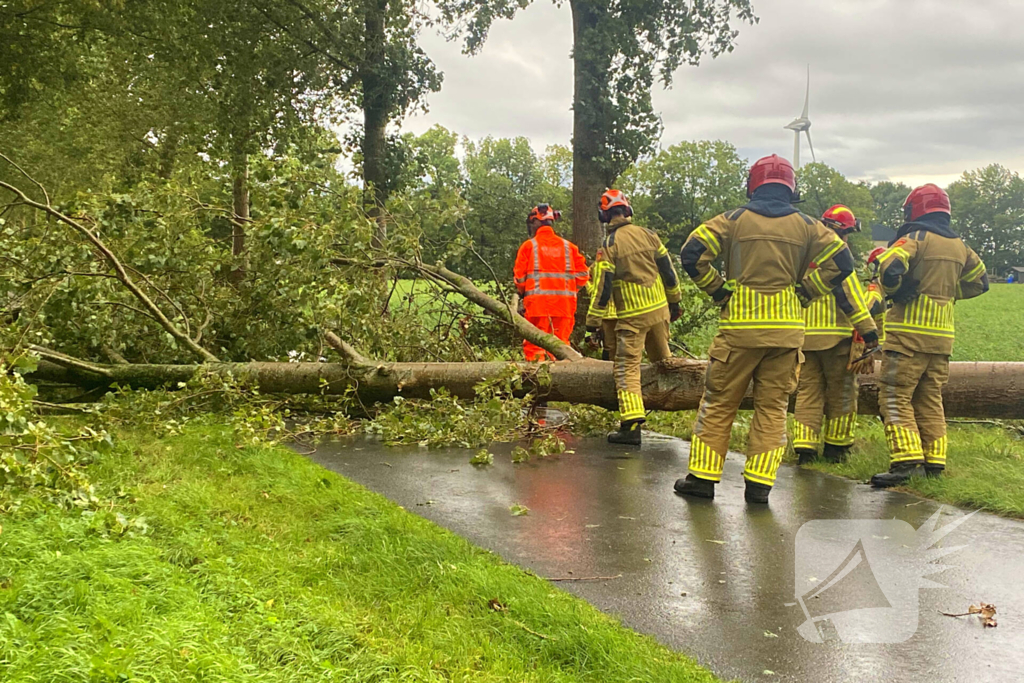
[240,206]
[975,390]
[376,111]
[588,140]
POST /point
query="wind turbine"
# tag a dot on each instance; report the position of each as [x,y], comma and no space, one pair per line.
[802,124]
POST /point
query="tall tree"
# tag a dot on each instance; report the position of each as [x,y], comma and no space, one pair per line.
[988,212]
[888,198]
[821,186]
[685,185]
[620,47]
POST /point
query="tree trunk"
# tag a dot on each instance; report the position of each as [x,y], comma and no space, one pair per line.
[375,115]
[240,206]
[588,139]
[975,390]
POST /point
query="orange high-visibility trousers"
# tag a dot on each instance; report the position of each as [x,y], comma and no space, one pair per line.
[558,325]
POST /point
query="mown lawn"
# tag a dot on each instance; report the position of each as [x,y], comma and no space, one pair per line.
[258,565]
[991,327]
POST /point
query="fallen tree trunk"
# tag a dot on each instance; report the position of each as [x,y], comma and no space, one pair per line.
[991,390]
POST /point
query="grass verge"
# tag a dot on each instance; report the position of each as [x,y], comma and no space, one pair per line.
[254,564]
[985,463]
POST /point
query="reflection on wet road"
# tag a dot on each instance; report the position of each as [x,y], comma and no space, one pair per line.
[711,578]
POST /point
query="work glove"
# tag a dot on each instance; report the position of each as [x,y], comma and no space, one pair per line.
[674,311]
[595,337]
[858,364]
[721,296]
[907,291]
[804,296]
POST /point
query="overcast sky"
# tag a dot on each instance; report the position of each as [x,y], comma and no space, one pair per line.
[912,90]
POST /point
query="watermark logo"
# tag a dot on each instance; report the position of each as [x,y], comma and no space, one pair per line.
[858,580]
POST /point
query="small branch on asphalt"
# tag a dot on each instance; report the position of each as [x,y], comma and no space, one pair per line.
[583,578]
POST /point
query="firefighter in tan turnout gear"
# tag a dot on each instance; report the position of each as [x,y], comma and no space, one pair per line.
[636,276]
[826,396]
[925,270]
[775,259]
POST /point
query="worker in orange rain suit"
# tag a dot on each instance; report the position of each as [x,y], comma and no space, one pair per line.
[638,277]
[548,272]
[826,394]
[776,259]
[925,270]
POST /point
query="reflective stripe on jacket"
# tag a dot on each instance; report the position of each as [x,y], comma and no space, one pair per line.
[925,273]
[548,272]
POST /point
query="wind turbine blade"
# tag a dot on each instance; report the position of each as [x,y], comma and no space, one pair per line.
[813,158]
[807,97]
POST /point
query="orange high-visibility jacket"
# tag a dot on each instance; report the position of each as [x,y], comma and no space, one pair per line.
[549,271]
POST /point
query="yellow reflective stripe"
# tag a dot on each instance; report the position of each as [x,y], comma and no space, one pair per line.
[975,273]
[638,299]
[749,309]
[631,406]
[918,329]
[804,436]
[839,430]
[819,285]
[830,251]
[935,454]
[705,279]
[662,251]
[904,444]
[898,252]
[704,461]
[861,309]
[704,234]
[762,468]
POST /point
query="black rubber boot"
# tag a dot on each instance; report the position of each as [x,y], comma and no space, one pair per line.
[835,454]
[628,434]
[934,471]
[805,456]
[695,486]
[897,475]
[756,493]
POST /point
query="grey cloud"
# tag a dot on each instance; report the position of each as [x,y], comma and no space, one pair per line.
[899,88]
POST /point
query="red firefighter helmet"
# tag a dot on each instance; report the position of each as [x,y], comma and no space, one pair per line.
[841,219]
[773,169]
[610,199]
[543,212]
[875,253]
[928,198]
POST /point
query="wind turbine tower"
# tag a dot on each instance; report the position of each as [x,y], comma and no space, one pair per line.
[802,124]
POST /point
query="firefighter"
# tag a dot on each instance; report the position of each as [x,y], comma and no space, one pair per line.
[924,271]
[604,336]
[826,393]
[548,272]
[639,279]
[775,259]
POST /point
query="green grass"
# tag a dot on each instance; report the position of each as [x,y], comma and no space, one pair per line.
[985,464]
[260,566]
[991,327]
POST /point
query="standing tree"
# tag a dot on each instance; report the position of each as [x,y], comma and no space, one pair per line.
[821,186]
[619,48]
[685,185]
[888,198]
[988,212]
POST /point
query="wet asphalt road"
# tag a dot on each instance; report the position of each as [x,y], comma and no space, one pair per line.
[716,579]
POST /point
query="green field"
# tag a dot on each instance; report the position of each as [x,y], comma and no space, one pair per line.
[991,327]
[219,563]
